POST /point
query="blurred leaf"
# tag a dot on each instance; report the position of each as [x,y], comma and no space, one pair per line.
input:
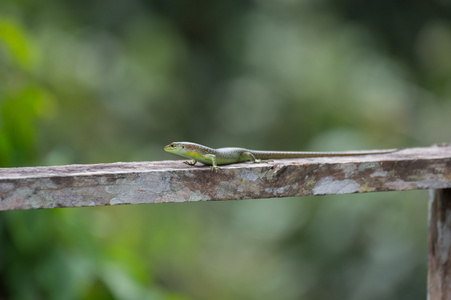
[19,111]
[15,43]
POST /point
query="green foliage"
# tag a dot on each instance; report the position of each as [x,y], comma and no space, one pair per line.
[91,82]
[16,43]
[23,100]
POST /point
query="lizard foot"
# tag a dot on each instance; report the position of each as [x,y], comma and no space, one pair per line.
[262,161]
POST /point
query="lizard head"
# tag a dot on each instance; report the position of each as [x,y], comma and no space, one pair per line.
[181,147]
[174,147]
[186,149]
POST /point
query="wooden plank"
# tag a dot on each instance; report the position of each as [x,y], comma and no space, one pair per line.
[439,244]
[173,181]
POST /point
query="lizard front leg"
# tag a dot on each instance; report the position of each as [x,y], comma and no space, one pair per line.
[214,166]
[190,163]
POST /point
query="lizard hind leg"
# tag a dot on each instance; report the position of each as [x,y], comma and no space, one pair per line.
[247,155]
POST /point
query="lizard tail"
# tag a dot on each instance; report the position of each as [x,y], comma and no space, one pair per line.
[295,154]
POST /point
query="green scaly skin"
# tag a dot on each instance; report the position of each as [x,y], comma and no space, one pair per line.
[225,156]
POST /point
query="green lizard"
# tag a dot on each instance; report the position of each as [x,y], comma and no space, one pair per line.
[224,156]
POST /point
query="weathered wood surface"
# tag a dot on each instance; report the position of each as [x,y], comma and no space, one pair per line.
[439,240]
[173,181]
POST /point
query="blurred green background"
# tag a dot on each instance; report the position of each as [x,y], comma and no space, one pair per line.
[106,81]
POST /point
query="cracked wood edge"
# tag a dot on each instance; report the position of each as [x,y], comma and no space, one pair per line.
[173,181]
